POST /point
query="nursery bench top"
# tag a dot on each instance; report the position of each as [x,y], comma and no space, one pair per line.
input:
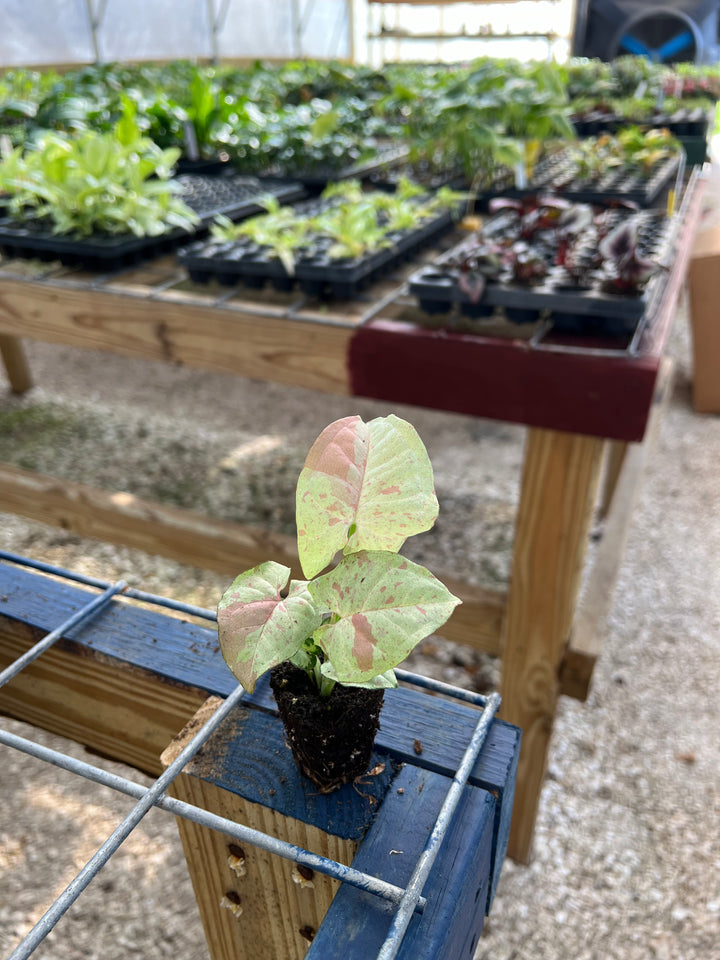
[377,347]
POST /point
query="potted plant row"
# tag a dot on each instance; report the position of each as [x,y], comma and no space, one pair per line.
[331,642]
[588,270]
[333,246]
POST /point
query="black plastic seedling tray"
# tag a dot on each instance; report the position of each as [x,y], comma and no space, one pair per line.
[315,181]
[210,167]
[389,178]
[235,197]
[681,123]
[571,308]
[555,174]
[243,261]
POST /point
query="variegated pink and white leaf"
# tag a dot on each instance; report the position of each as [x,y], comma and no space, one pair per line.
[257,627]
[363,487]
[385,606]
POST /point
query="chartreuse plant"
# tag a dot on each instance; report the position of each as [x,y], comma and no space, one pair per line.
[108,182]
[364,489]
[352,223]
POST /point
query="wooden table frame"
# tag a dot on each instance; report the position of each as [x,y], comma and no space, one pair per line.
[547,647]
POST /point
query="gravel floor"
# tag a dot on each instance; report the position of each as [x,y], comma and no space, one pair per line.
[627,850]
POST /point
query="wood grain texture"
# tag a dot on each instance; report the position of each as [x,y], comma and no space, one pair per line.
[133,641]
[272,348]
[614,459]
[192,538]
[118,710]
[274,907]
[16,365]
[559,485]
[456,890]
[156,528]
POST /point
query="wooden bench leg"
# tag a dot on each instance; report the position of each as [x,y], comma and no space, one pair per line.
[559,486]
[616,450]
[16,366]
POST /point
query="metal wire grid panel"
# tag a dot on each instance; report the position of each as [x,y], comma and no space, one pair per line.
[406,901]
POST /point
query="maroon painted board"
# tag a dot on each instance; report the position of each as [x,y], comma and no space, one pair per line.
[503,380]
[577,391]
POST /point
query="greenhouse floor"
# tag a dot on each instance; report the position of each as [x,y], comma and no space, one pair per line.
[628,836]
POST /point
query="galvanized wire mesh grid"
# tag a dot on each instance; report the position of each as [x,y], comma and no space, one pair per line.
[407,901]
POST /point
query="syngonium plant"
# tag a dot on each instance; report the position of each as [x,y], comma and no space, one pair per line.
[364,488]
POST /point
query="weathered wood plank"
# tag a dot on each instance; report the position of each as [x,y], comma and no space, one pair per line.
[357,923]
[614,459]
[16,365]
[180,659]
[269,348]
[246,773]
[192,538]
[131,521]
[558,493]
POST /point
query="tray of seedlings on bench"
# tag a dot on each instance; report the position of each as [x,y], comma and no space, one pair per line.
[681,122]
[634,166]
[332,246]
[587,270]
[206,198]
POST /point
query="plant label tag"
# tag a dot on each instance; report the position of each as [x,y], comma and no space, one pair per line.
[5,145]
[641,90]
[191,144]
[520,175]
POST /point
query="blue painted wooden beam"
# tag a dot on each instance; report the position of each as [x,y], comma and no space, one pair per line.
[392,813]
[186,655]
[457,889]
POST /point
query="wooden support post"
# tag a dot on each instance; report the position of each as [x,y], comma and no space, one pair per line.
[253,905]
[614,459]
[559,485]
[256,905]
[16,365]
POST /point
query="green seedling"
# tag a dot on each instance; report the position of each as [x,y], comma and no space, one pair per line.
[114,183]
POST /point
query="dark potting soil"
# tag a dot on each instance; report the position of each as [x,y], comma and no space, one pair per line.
[331,738]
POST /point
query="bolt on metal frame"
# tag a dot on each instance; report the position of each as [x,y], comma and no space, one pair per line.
[407,901]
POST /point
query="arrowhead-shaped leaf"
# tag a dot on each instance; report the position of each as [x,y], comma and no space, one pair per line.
[257,628]
[386,605]
[364,486]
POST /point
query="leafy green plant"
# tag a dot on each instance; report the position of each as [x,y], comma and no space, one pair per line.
[363,490]
[302,138]
[280,230]
[97,182]
[630,148]
[351,224]
[647,148]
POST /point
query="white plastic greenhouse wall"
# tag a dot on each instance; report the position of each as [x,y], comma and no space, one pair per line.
[37,32]
[60,31]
